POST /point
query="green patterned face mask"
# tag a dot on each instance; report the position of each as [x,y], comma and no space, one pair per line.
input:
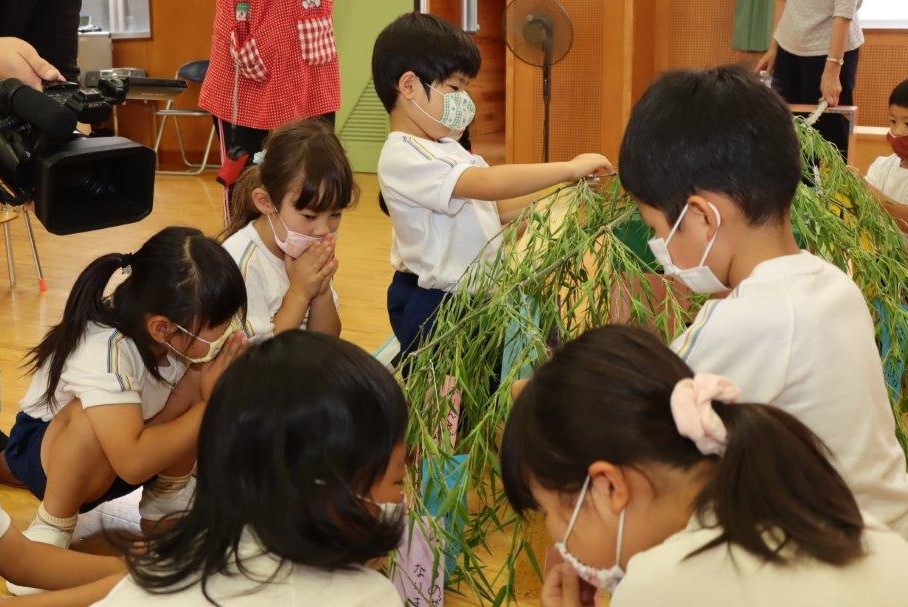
[459,111]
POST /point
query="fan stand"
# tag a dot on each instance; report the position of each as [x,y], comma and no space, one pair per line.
[538,31]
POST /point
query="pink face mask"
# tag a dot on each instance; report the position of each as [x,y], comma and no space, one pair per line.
[295,243]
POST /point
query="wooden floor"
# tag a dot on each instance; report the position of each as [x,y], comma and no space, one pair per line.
[25,314]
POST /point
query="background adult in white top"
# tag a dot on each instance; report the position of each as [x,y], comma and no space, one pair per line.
[301,462]
[814,54]
[641,467]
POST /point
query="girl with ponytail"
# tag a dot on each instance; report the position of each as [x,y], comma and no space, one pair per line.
[113,402]
[639,466]
[285,216]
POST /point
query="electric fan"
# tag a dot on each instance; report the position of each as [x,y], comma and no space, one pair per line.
[539,32]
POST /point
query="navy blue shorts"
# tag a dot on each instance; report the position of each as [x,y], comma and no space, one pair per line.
[23,456]
[411,310]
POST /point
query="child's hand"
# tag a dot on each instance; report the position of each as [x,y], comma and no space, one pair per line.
[588,164]
[562,588]
[309,271]
[235,345]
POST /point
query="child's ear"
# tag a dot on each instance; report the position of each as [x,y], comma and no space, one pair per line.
[408,85]
[262,201]
[160,328]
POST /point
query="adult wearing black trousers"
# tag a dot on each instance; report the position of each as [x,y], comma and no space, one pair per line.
[814,55]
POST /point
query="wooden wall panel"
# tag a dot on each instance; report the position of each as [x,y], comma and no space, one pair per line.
[697,33]
[181,32]
[488,90]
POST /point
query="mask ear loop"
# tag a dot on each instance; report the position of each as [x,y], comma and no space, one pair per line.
[677,224]
[580,498]
[709,247]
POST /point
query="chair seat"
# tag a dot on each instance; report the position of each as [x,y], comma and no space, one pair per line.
[186,112]
[194,71]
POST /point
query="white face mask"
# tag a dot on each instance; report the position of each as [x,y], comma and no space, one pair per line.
[388,512]
[700,278]
[606,579]
[214,347]
[459,111]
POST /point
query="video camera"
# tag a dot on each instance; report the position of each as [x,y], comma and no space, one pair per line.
[77,183]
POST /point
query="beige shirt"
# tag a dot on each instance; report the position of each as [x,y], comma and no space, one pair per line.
[806,26]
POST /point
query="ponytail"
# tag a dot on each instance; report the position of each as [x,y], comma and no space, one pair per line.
[606,396]
[242,207]
[178,273]
[775,474]
[85,304]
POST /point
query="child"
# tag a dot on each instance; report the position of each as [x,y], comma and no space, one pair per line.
[888,175]
[640,466]
[713,161]
[301,463]
[286,214]
[84,578]
[441,197]
[111,404]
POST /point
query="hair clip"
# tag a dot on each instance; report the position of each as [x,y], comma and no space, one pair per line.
[258,158]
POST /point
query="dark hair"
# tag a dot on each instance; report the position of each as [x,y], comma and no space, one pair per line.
[305,154]
[899,95]
[178,273]
[720,130]
[426,45]
[296,429]
[605,396]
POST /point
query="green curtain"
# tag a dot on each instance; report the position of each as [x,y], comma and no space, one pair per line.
[753,25]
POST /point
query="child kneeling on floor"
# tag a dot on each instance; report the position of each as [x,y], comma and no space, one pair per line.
[300,473]
[112,403]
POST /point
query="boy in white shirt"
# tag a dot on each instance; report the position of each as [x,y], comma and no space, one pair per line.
[441,198]
[794,331]
[888,175]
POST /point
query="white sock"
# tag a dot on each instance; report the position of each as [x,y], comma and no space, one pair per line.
[66,524]
[163,485]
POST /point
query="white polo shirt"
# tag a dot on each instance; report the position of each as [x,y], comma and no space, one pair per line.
[271,584]
[267,282]
[888,174]
[733,577]
[435,235]
[797,334]
[105,369]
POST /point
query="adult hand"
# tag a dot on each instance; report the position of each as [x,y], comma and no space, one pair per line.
[211,371]
[831,84]
[767,61]
[19,59]
[562,588]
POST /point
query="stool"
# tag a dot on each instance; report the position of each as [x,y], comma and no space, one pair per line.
[7,215]
[194,71]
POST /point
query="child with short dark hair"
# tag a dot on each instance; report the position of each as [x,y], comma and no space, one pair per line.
[713,161]
[300,474]
[441,198]
[888,175]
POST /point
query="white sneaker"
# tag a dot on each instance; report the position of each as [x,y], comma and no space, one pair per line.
[44,534]
[153,507]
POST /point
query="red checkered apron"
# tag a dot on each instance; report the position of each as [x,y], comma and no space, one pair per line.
[272,65]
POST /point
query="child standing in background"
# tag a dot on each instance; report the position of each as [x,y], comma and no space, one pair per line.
[286,215]
[888,175]
[441,198]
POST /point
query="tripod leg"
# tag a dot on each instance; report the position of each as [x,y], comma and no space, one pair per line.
[42,283]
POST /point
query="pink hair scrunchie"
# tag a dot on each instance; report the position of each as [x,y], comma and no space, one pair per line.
[692,409]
